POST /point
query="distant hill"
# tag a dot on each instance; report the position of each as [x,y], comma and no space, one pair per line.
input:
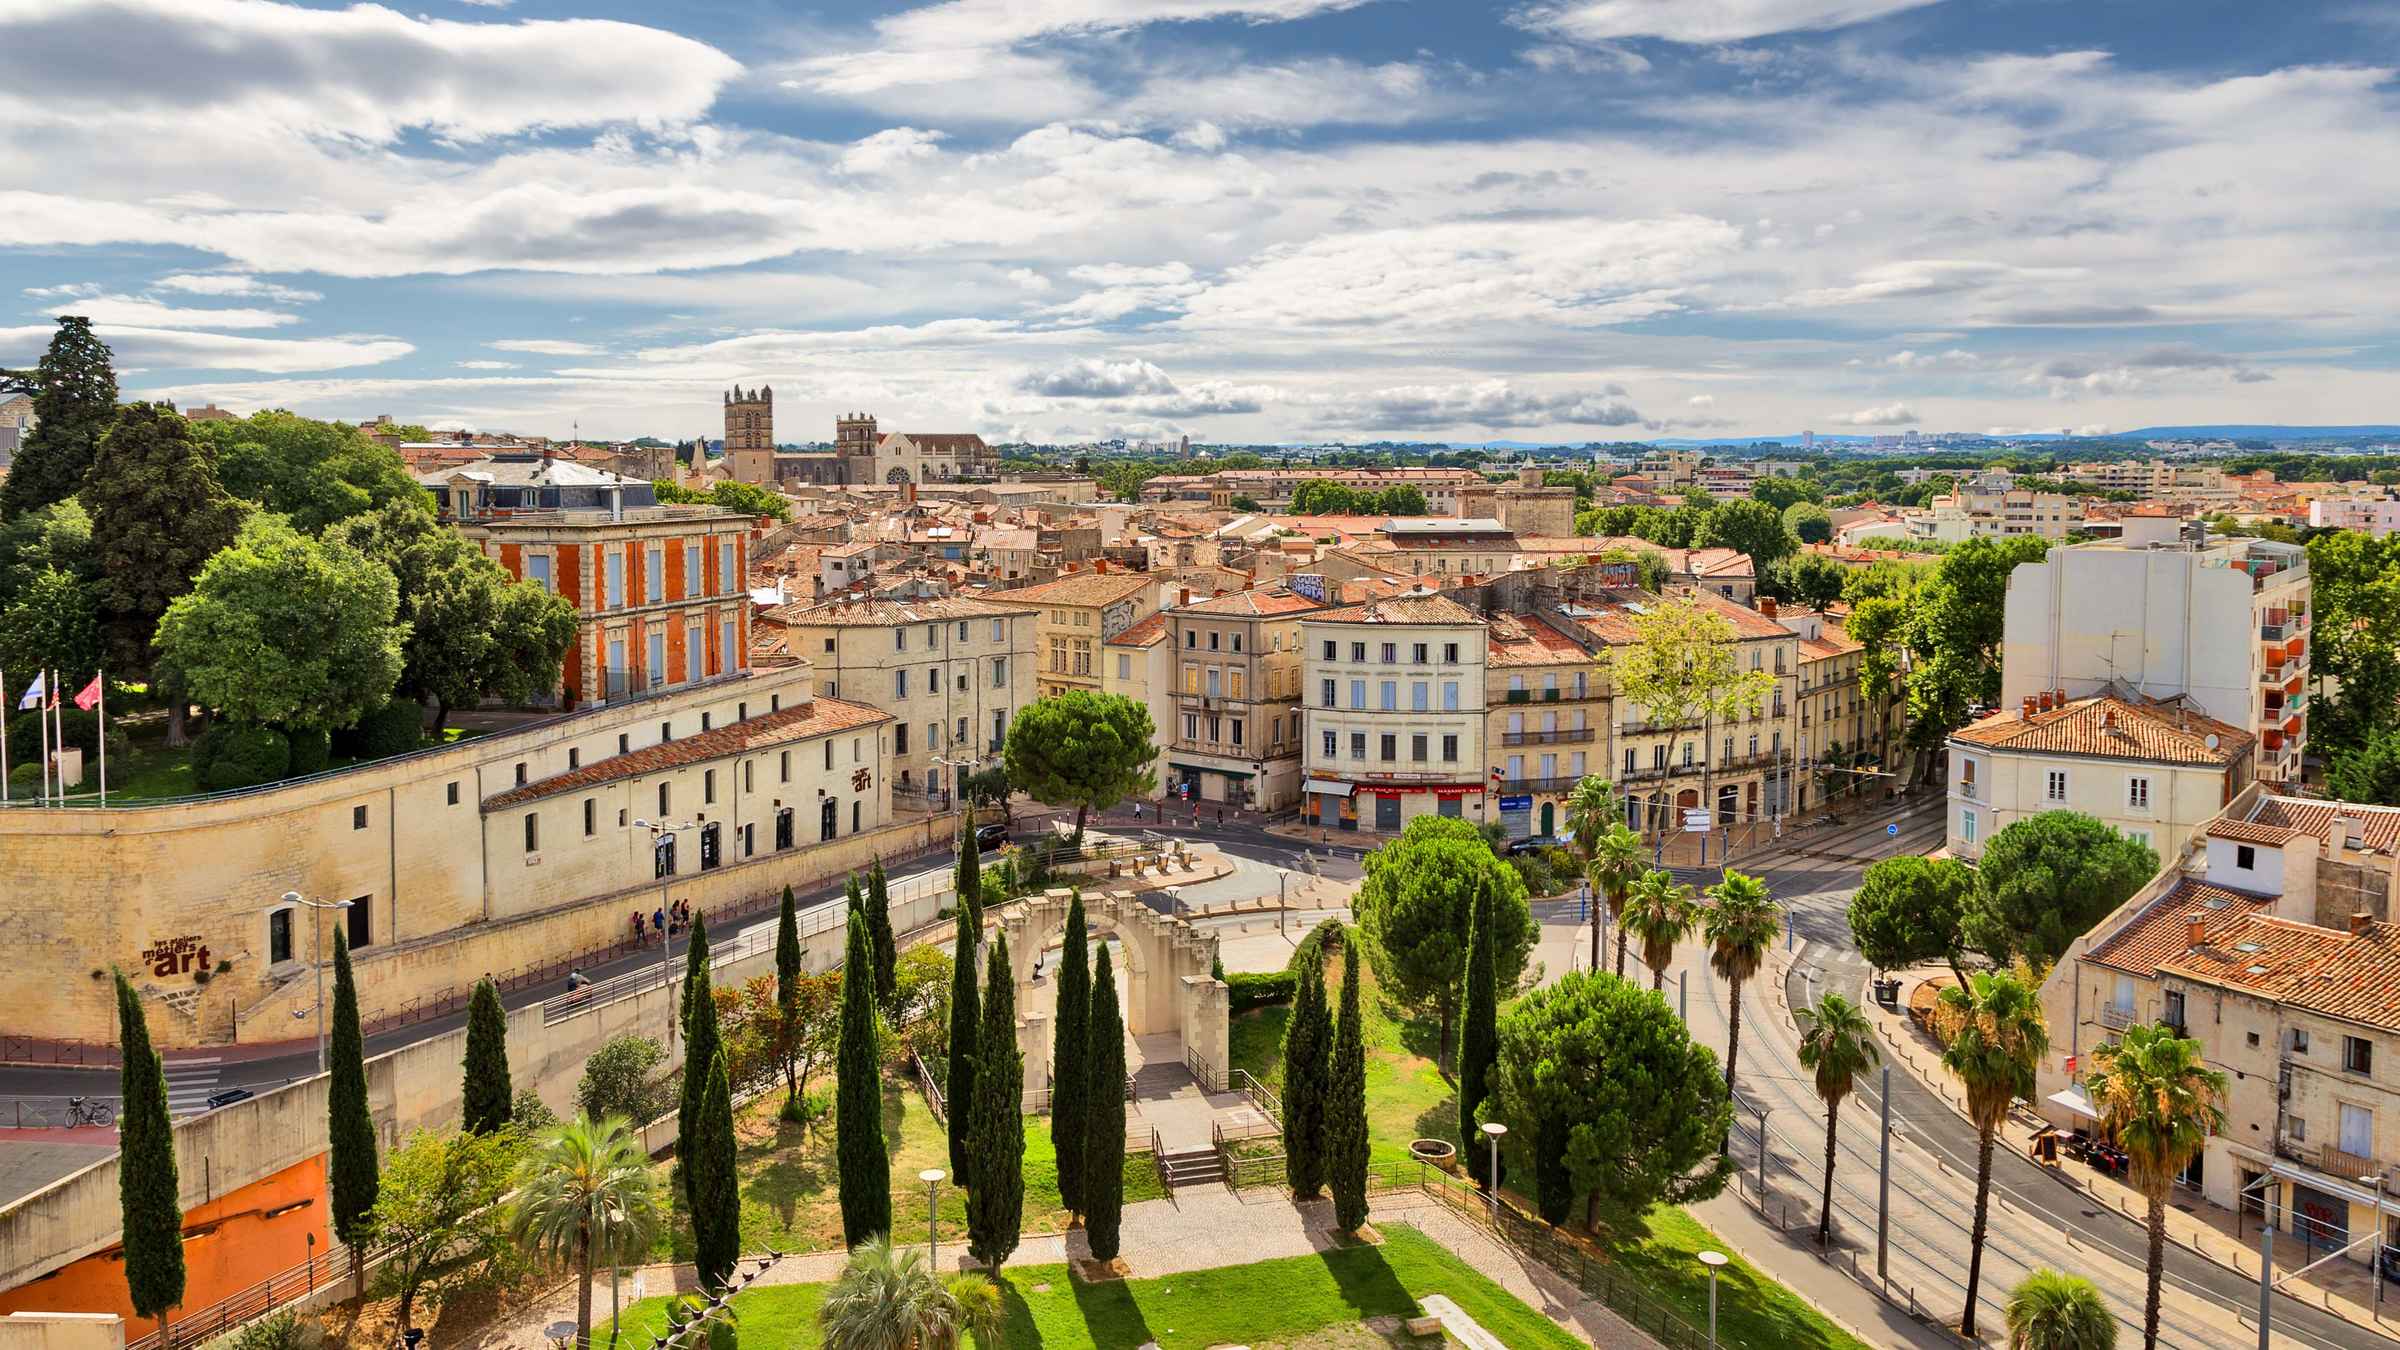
[2247,431]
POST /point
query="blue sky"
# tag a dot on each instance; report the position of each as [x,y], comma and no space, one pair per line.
[1233,219]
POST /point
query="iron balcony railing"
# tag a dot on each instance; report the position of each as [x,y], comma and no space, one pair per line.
[1562,736]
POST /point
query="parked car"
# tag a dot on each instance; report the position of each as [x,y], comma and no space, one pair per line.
[1535,843]
[228,1097]
[990,837]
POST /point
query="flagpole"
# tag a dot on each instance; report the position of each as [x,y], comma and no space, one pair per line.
[41,722]
[3,737]
[103,682]
[58,736]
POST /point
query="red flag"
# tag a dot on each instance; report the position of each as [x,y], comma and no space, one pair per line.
[89,696]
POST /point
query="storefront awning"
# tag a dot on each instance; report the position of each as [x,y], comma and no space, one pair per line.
[2318,1181]
[2074,1100]
[1209,768]
[1328,789]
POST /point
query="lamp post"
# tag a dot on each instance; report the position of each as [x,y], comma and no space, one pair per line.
[2375,1253]
[661,830]
[1715,1261]
[932,1177]
[1492,1130]
[317,910]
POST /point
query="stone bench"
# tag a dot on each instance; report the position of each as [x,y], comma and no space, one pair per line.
[1423,1326]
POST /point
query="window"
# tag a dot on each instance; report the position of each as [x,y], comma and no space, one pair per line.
[2299,1041]
[658,656]
[1237,641]
[828,819]
[359,919]
[1237,731]
[654,567]
[783,829]
[2141,837]
[1358,651]
[2056,786]
[1449,696]
[574,757]
[899,639]
[1124,667]
[749,840]
[899,684]
[1332,744]
[855,804]
[2358,1054]
[1417,653]
[999,630]
[711,847]
[2245,857]
[1358,694]
[1000,671]
[454,794]
[666,732]
[533,832]
[616,578]
[2172,1015]
[1449,653]
[1449,749]
[662,857]
[279,935]
[2357,1131]
[358,816]
[2137,793]
[1629,761]
[537,569]
[624,741]
[1420,697]
[726,575]
[1331,648]
[1213,638]
[1390,745]
[708,781]
[1358,745]
[1966,827]
[1327,693]
[590,818]
[691,569]
[1191,639]
[1416,748]
[1391,652]
[1389,693]
[663,797]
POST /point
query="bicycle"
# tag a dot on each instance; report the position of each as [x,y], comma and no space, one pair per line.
[93,1113]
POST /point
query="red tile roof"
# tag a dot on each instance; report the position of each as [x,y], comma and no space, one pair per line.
[1425,609]
[1148,633]
[1253,604]
[818,717]
[2352,976]
[2162,932]
[1083,588]
[2109,727]
[2279,820]
[1529,640]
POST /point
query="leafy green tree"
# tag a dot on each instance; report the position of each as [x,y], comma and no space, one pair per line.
[749,499]
[716,1187]
[1104,1133]
[996,1204]
[1404,500]
[314,472]
[585,1195]
[58,535]
[1591,809]
[866,1168]
[1616,864]
[1808,522]
[620,1080]
[284,630]
[2367,772]
[1417,904]
[969,881]
[1478,1035]
[486,1088]
[1879,624]
[1836,1046]
[695,971]
[472,632]
[2354,582]
[74,389]
[49,623]
[2045,880]
[879,932]
[149,1197]
[1741,923]
[350,1126]
[703,1039]
[1660,913]
[1346,1144]
[1785,493]
[2160,1101]
[2051,1311]
[966,1022]
[1323,497]
[1603,1077]
[887,1296]
[1081,748]
[1954,627]
[787,995]
[1748,526]
[1994,1035]
[1909,910]
[1070,1056]
[439,1219]
[1810,579]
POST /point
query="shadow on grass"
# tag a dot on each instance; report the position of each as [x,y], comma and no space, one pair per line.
[1367,1283]
[1110,1313]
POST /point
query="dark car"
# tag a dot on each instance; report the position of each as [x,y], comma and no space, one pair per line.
[1535,843]
[228,1097]
[989,837]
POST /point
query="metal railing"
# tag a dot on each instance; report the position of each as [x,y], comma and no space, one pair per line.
[214,1320]
[1554,784]
[1260,1095]
[2115,1018]
[1572,1260]
[1562,736]
[82,1054]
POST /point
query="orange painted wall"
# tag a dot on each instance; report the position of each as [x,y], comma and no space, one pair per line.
[675,577]
[675,647]
[228,1245]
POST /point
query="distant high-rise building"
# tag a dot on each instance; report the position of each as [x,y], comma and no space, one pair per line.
[1808,440]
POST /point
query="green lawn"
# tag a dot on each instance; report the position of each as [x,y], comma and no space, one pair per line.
[1265,1301]
[1407,1097]
[1752,1309]
[149,770]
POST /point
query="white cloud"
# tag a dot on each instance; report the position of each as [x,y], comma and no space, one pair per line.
[1696,21]
[1702,400]
[485,365]
[1315,92]
[137,312]
[985,23]
[230,284]
[169,349]
[1495,403]
[1093,377]
[1885,415]
[890,149]
[1202,135]
[546,347]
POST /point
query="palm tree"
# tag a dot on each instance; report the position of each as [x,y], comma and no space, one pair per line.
[1994,1035]
[1659,911]
[888,1298]
[1740,922]
[1615,865]
[586,1192]
[2050,1311]
[2159,1100]
[1836,1046]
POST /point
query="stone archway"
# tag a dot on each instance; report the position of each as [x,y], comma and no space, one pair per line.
[1164,977]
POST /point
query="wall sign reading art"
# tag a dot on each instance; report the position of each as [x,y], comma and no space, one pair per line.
[859,780]
[176,956]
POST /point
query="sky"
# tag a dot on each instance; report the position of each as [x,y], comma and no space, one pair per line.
[1237,220]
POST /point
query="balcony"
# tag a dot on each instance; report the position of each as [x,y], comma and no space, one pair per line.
[1567,736]
[1520,696]
[1520,786]
[2116,1018]
[2333,1162]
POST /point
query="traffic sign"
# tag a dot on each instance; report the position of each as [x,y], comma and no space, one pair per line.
[1892,829]
[1695,820]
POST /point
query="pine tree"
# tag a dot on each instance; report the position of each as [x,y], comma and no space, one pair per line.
[487,1091]
[996,1205]
[147,1190]
[74,392]
[1307,1046]
[158,514]
[970,871]
[879,932]
[965,1023]
[716,1188]
[702,1039]
[1479,1032]
[1104,1120]
[350,1129]
[866,1170]
[1346,1110]
[1070,1057]
[787,990]
[695,966]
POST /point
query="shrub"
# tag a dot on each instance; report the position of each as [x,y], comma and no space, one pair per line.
[393,729]
[1256,989]
[617,1081]
[529,1112]
[311,751]
[284,1330]
[232,755]
[82,731]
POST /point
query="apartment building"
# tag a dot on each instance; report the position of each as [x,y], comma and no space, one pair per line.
[1669,469]
[1836,731]
[1139,664]
[1236,732]
[1662,768]
[2269,939]
[1078,613]
[2378,516]
[1547,718]
[2157,478]
[2222,621]
[1395,713]
[2155,770]
[951,672]
[1981,513]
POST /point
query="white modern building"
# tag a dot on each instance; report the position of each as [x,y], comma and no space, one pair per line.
[2377,516]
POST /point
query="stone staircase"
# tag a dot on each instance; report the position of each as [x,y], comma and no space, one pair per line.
[1202,1166]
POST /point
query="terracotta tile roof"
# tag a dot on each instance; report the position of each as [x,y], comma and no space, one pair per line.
[2162,931]
[2112,728]
[1253,604]
[1083,588]
[1148,633]
[2279,820]
[818,717]
[1834,643]
[2352,976]
[1405,609]
[1529,640]
[887,613]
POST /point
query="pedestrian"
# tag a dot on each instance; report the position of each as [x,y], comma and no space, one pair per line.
[637,930]
[575,981]
[658,920]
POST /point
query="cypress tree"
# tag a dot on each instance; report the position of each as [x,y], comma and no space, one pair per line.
[695,967]
[965,1023]
[716,1189]
[487,1091]
[147,1190]
[866,1170]
[1104,1120]
[1070,1058]
[855,902]
[702,1039]
[970,871]
[1479,1031]
[1307,1044]
[879,932]
[787,991]
[74,390]
[1346,1111]
[996,1205]
[350,1129]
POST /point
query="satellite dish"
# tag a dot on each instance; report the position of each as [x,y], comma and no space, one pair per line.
[2211,740]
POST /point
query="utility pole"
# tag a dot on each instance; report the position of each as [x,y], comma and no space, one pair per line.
[661,831]
[1883,1189]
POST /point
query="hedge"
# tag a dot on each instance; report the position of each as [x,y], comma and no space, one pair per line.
[234,756]
[1258,988]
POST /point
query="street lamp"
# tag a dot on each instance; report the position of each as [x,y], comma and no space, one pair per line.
[1715,1261]
[932,1177]
[1492,1130]
[2375,1253]
[317,928]
[660,829]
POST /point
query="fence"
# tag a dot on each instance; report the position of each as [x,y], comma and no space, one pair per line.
[34,1050]
[1260,1095]
[192,1328]
[51,1113]
[1571,1260]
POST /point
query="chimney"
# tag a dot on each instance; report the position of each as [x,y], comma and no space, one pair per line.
[2108,720]
[2196,928]
[1100,566]
[2359,919]
[1766,605]
[2032,706]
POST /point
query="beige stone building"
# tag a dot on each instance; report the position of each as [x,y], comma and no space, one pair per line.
[1077,614]
[1547,719]
[2153,770]
[1139,664]
[951,672]
[1751,764]
[1237,730]
[1395,713]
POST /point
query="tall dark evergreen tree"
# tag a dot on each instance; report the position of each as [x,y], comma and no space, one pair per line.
[879,932]
[487,1091]
[966,1022]
[969,881]
[1307,1055]
[148,1193]
[866,1169]
[716,1189]
[74,391]
[695,966]
[1071,1083]
[788,975]
[350,1128]
[1104,1121]
[1346,1109]
[1478,1031]
[996,1204]
[702,1039]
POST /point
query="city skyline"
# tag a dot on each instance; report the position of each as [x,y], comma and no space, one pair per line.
[1241,220]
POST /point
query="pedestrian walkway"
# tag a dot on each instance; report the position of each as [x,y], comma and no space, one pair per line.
[189,1083]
